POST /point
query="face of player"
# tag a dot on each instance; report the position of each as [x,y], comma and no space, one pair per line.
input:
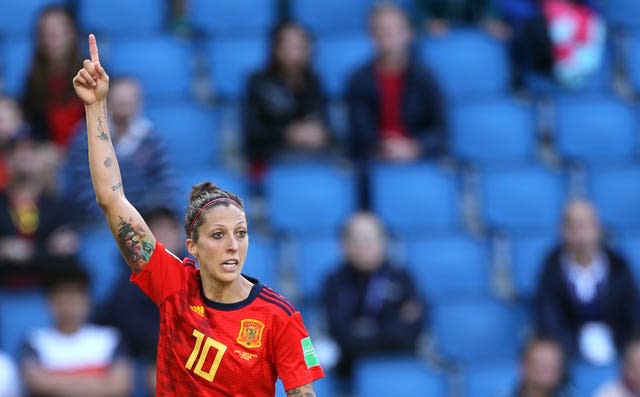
[632,367]
[391,33]
[364,243]
[70,306]
[222,244]
[57,36]
[581,229]
[543,367]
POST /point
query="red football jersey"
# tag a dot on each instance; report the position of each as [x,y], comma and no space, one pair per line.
[212,349]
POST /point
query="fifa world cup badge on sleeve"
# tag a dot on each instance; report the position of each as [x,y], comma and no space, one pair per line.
[250,334]
[309,352]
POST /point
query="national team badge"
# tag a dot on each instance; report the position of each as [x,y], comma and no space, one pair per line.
[250,334]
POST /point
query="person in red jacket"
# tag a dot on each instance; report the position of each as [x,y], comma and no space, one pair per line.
[221,332]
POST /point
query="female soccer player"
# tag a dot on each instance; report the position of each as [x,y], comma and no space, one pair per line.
[221,333]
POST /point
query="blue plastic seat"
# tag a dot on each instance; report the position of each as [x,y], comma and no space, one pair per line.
[190,132]
[332,16]
[451,266]
[309,197]
[99,255]
[416,197]
[588,378]
[261,261]
[624,13]
[468,63]
[615,193]
[18,18]
[493,132]
[221,17]
[123,17]
[336,58]
[527,256]
[398,377]
[161,63]
[491,379]
[524,199]
[471,331]
[20,312]
[316,257]
[14,65]
[232,61]
[596,130]
[631,57]
[323,387]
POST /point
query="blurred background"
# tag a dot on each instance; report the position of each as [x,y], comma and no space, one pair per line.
[448,190]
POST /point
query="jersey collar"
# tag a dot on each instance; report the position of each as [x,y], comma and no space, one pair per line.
[255,291]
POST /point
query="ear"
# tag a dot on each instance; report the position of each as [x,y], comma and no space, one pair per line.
[191,247]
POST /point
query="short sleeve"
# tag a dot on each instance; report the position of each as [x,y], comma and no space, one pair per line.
[296,360]
[162,276]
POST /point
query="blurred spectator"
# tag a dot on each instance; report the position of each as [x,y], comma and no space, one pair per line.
[9,377]
[586,295]
[285,111]
[439,16]
[629,383]
[132,312]
[143,161]
[50,104]
[34,223]
[12,126]
[74,358]
[542,371]
[372,307]
[396,109]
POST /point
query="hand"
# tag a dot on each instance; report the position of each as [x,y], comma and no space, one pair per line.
[91,83]
[400,149]
[307,135]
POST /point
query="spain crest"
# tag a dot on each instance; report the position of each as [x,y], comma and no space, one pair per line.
[250,334]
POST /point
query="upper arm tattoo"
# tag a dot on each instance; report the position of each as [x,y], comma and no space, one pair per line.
[134,243]
[302,391]
[102,119]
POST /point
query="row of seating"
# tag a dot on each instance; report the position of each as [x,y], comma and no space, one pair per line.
[467,63]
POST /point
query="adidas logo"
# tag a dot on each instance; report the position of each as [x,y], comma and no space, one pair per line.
[199,310]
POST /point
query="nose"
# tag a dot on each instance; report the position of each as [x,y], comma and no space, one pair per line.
[233,244]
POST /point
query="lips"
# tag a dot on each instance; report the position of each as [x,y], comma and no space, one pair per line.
[230,265]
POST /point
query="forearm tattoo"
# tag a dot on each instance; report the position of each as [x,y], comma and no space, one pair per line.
[135,245]
[107,162]
[302,391]
[102,119]
[117,186]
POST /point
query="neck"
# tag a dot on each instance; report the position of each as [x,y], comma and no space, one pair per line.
[393,61]
[583,258]
[532,391]
[232,292]
[67,329]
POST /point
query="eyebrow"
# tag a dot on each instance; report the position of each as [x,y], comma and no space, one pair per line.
[219,225]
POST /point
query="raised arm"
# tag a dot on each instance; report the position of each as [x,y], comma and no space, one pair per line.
[132,234]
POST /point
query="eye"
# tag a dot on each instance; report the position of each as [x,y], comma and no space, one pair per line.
[217,235]
[241,233]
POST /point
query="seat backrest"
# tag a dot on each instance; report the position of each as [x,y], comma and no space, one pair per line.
[227,17]
[123,17]
[615,193]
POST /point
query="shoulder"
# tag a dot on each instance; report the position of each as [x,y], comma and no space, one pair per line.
[617,261]
[362,75]
[277,304]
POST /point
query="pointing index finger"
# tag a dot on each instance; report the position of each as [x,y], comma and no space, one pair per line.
[93,48]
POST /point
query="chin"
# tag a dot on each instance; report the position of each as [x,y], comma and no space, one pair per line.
[226,277]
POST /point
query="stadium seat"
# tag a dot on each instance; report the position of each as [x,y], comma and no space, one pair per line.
[232,61]
[524,199]
[332,16]
[336,58]
[595,130]
[20,312]
[323,387]
[190,133]
[123,17]
[476,330]
[493,132]
[452,266]
[316,257]
[397,377]
[628,245]
[491,379]
[468,63]
[15,62]
[309,197]
[99,255]
[225,179]
[162,64]
[587,378]
[261,261]
[417,197]
[615,193]
[232,17]
[527,256]
[18,18]
[631,57]
[624,13]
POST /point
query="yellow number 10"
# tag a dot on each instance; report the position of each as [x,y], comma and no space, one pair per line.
[208,344]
